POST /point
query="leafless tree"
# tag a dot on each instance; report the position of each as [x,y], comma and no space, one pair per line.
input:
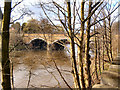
[5,62]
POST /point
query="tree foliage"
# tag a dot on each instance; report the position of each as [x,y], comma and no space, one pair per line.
[16,26]
[42,26]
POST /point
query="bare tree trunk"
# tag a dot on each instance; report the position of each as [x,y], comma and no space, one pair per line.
[80,49]
[106,41]
[110,38]
[12,76]
[103,53]
[99,56]
[6,82]
[95,54]
[72,45]
[87,48]
[0,32]
[0,37]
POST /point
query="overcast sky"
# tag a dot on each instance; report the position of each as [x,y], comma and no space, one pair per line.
[30,5]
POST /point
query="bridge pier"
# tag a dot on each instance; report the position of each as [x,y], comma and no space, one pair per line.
[48,47]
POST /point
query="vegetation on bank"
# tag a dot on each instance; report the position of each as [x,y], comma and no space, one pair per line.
[35,26]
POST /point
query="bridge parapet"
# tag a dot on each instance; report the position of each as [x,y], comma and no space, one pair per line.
[49,38]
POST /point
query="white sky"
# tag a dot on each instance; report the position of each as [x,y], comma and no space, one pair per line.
[38,12]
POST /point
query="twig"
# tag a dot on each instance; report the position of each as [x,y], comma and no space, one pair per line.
[29,78]
[15,46]
[12,75]
[16,4]
[62,75]
[51,74]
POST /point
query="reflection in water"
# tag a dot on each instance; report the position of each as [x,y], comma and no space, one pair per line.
[41,66]
[32,59]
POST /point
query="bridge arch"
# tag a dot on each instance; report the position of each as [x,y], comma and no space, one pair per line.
[58,44]
[38,43]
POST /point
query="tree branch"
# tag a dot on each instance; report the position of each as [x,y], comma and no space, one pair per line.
[16,4]
[62,75]
[104,17]
[93,12]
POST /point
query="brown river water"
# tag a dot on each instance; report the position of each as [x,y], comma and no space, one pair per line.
[36,69]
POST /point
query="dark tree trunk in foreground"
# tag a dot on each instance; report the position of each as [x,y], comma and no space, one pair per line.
[6,82]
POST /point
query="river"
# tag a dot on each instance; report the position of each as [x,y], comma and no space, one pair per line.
[36,69]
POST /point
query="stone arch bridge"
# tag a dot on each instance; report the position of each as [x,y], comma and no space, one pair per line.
[46,41]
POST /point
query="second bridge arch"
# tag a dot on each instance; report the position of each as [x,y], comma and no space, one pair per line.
[58,44]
